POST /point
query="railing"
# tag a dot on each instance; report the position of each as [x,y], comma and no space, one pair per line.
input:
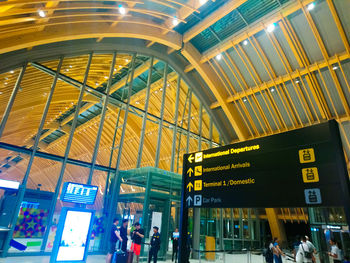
[230,256]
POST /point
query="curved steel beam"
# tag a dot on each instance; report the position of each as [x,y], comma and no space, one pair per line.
[74,48]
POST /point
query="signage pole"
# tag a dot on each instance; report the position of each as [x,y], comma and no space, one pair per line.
[182,257]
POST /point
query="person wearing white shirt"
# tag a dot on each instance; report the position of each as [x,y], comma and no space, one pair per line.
[335,251]
[304,254]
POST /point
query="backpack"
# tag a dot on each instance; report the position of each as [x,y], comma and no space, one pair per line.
[307,254]
[269,255]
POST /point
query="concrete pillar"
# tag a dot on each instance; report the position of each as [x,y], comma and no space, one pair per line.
[276,225]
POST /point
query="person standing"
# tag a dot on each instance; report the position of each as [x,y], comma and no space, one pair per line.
[268,252]
[277,252]
[175,238]
[155,245]
[124,234]
[136,238]
[335,251]
[304,254]
[312,248]
[115,236]
[296,245]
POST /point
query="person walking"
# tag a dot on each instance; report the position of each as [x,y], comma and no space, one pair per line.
[124,234]
[175,238]
[114,237]
[335,251]
[277,252]
[155,245]
[304,254]
[136,238]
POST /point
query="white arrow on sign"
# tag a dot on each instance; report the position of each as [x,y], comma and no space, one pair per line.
[189,200]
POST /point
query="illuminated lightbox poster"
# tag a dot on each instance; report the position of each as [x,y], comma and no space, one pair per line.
[73,235]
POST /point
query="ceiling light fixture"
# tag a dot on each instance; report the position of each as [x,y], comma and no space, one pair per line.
[311,6]
[297,81]
[202,2]
[12,72]
[5,83]
[122,10]
[219,56]
[271,28]
[245,42]
[245,100]
[41,13]
[175,21]
[272,89]
[335,68]
[106,77]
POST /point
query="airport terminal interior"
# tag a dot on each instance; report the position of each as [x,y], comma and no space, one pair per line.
[104,105]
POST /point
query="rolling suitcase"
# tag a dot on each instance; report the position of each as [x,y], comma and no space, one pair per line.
[120,256]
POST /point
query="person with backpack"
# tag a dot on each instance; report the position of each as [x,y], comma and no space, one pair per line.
[304,254]
[268,252]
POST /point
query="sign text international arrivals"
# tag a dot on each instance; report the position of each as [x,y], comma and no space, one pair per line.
[304,167]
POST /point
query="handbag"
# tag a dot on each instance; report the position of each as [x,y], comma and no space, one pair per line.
[307,254]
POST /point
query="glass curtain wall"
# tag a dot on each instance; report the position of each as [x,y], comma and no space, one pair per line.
[83,119]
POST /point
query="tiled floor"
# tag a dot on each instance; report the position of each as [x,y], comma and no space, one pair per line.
[240,258]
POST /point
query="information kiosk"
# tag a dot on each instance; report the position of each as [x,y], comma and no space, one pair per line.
[75,224]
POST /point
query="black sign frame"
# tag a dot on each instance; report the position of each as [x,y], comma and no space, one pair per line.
[310,135]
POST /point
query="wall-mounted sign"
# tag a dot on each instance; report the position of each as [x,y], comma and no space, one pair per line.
[79,193]
[304,167]
[7,184]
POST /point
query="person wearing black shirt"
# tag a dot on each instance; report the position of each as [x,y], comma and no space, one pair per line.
[155,245]
[136,238]
[175,239]
[113,240]
[124,234]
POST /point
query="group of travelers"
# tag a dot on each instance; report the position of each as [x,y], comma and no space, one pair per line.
[303,251]
[119,242]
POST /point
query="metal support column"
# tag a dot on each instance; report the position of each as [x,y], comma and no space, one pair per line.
[200,126]
[144,119]
[66,154]
[114,196]
[145,210]
[23,186]
[102,119]
[189,123]
[165,77]
[210,133]
[113,148]
[176,116]
[12,99]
